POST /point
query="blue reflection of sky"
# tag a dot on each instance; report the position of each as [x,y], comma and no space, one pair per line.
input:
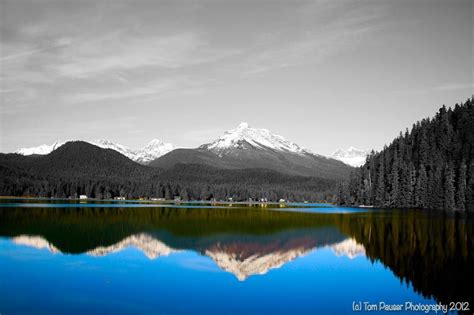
[40,282]
[326,209]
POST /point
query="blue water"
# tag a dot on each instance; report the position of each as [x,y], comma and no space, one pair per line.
[40,282]
[67,257]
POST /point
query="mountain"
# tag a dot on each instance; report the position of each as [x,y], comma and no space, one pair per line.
[78,168]
[246,147]
[42,149]
[76,160]
[352,156]
[106,144]
[153,150]
[244,137]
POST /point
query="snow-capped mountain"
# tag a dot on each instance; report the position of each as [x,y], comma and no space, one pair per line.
[41,149]
[153,150]
[352,156]
[243,136]
[246,147]
[106,144]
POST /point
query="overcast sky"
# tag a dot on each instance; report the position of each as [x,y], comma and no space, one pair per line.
[324,74]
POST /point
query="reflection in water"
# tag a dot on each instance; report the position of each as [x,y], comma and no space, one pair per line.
[243,259]
[432,252]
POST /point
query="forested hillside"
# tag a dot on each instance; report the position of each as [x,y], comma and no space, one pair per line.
[430,166]
[79,168]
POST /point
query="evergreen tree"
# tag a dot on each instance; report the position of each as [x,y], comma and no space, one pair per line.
[427,167]
[394,179]
[470,189]
[449,203]
[421,192]
[380,186]
[461,189]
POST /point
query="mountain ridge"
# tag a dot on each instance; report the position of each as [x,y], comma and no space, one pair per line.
[246,147]
[154,149]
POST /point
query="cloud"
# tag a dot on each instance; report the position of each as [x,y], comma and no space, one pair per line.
[151,88]
[445,87]
[319,41]
[454,86]
[143,91]
[118,53]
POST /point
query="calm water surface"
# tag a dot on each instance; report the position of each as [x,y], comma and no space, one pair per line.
[65,257]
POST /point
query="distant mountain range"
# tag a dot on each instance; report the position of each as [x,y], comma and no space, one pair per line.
[80,168]
[352,156]
[229,148]
[153,150]
[245,163]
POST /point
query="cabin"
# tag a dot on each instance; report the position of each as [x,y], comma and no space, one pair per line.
[83,197]
[119,198]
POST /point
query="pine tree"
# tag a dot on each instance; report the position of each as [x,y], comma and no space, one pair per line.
[461,189]
[448,203]
[380,186]
[470,189]
[395,188]
[421,190]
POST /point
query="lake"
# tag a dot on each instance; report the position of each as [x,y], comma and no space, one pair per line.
[67,257]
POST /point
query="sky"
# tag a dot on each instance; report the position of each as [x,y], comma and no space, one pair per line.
[323,74]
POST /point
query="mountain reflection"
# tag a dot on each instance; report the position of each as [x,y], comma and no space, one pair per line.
[241,258]
[432,252]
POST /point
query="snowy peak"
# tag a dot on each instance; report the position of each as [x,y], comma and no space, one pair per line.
[41,149]
[244,136]
[243,125]
[351,156]
[106,144]
[153,150]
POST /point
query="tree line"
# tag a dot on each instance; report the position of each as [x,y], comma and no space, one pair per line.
[186,181]
[430,166]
